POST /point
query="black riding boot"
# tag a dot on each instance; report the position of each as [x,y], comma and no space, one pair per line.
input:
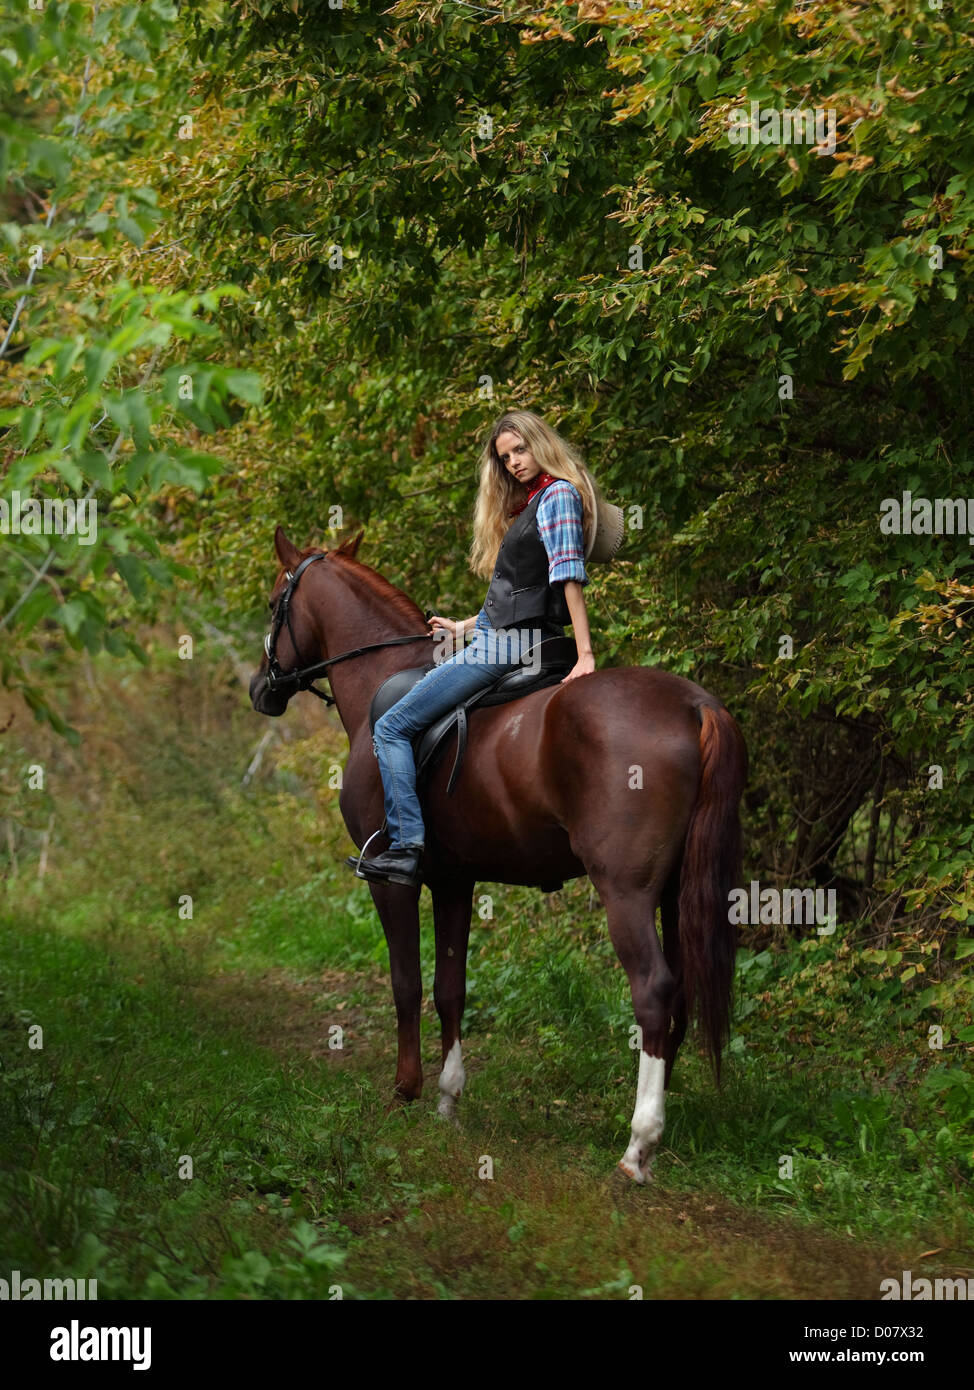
[391,866]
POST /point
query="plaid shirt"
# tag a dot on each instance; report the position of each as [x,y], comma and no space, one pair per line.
[559,523]
[559,518]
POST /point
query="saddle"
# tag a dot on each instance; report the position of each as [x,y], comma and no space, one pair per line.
[554,657]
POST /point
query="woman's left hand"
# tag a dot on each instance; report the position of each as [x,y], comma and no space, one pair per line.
[584,666]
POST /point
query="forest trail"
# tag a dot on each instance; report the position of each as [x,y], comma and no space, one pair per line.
[548,1218]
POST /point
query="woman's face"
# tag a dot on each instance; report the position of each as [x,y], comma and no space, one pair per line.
[516,457]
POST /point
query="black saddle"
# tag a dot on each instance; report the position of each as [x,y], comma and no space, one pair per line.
[552,657]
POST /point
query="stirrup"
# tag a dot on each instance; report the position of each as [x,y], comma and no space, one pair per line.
[358,866]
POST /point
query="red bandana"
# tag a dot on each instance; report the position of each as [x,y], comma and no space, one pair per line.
[542,480]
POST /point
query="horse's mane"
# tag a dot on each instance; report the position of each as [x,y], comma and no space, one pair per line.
[369,578]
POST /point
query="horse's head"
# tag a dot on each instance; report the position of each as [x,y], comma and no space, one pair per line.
[293,643]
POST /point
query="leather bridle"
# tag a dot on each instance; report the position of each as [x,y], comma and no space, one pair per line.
[305,676]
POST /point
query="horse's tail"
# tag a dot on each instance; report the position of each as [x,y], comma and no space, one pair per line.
[711,862]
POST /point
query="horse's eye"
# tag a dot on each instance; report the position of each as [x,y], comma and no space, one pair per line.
[270,604]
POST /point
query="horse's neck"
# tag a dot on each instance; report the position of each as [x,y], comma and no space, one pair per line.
[362,620]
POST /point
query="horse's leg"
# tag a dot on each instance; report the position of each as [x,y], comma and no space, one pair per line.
[452,910]
[631,917]
[672,950]
[398,908]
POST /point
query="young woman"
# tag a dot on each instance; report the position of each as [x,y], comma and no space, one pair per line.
[535,513]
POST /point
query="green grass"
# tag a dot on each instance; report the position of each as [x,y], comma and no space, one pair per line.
[168,1039]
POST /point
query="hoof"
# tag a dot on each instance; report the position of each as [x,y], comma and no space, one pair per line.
[631,1171]
[447,1110]
[399,1100]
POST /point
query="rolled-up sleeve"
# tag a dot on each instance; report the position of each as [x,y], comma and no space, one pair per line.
[559,518]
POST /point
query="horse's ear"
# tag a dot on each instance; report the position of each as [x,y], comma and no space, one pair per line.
[350,546]
[286,552]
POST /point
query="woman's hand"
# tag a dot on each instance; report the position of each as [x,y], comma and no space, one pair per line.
[584,666]
[447,624]
[583,638]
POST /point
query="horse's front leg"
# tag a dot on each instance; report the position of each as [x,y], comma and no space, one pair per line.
[398,909]
[452,910]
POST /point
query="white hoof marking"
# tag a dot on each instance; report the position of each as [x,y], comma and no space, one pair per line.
[647,1118]
[636,1174]
[452,1079]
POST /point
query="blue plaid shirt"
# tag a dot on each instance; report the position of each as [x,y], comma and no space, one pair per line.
[559,522]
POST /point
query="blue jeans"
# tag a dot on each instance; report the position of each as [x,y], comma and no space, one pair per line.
[476,666]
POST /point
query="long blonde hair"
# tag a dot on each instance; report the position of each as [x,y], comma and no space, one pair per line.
[500,493]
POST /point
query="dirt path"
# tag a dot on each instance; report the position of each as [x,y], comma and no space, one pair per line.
[549,1224]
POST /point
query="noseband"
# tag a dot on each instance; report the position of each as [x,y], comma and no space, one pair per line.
[305,676]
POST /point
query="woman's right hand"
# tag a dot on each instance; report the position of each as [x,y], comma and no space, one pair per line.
[447,624]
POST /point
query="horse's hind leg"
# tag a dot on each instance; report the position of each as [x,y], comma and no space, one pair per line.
[452,909]
[672,950]
[632,925]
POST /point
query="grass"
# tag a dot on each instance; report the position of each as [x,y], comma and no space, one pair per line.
[187,1131]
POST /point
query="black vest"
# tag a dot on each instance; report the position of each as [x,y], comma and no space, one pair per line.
[519,592]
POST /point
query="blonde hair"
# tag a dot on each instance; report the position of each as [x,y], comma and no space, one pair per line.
[500,493]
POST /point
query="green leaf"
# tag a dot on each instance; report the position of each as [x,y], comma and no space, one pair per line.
[71,615]
[131,569]
[98,363]
[29,423]
[246,385]
[66,357]
[117,408]
[131,229]
[70,472]
[135,467]
[188,469]
[140,419]
[95,466]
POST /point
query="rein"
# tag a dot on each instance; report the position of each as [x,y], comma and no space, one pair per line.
[305,676]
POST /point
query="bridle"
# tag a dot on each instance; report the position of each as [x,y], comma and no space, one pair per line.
[305,676]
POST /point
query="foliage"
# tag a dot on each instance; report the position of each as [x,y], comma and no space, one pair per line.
[437,212]
[104,401]
[429,213]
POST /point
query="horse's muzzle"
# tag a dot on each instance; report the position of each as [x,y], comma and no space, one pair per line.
[265,700]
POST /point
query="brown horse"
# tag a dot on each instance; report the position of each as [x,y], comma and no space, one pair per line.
[632,776]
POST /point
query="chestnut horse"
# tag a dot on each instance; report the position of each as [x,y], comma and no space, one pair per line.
[631,775]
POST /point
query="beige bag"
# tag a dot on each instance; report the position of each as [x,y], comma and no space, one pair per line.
[608,531]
